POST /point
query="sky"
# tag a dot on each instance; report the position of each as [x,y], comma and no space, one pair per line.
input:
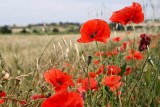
[23,12]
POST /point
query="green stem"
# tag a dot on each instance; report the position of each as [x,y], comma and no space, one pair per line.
[140,77]
[90,91]
[133,47]
[102,73]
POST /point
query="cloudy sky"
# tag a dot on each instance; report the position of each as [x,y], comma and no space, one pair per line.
[36,11]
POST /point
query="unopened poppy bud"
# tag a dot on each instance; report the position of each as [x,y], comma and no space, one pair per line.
[89,59]
[6,76]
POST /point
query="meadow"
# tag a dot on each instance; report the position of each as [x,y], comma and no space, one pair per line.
[97,68]
[21,56]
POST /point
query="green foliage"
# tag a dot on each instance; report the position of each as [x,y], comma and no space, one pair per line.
[55,30]
[5,30]
[24,31]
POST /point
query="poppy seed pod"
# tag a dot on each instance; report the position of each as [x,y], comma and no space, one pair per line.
[144,42]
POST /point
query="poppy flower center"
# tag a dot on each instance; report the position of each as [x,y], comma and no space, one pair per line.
[59,82]
[93,35]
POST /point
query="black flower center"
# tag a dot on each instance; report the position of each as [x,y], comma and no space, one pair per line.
[93,35]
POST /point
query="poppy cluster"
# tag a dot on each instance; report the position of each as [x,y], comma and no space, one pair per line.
[95,30]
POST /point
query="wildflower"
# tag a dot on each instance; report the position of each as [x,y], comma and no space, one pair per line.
[154,45]
[113,70]
[130,13]
[2,94]
[85,86]
[34,97]
[64,99]
[59,79]
[144,42]
[138,55]
[116,39]
[79,81]
[96,62]
[112,81]
[101,69]
[128,70]
[128,58]
[92,74]
[97,54]
[128,33]
[108,54]
[67,64]
[125,45]
[94,30]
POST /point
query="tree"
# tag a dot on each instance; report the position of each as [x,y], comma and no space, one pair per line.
[24,31]
[5,30]
[55,30]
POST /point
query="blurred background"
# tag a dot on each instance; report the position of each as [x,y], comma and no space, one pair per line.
[64,16]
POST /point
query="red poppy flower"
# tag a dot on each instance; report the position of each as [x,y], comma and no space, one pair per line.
[97,54]
[64,99]
[2,94]
[128,58]
[128,33]
[96,62]
[138,55]
[112,81]
[116,39]
[59,79]
[67,64]
[126,15]
[114,53]
[92,74]
[34,97]
[154,45]
[114,70]
[128,71]
[94,30]
[125,45]
[101,68]
[85,86]
[79,81]
[108,54]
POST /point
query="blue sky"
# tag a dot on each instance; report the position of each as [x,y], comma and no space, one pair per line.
[36,11]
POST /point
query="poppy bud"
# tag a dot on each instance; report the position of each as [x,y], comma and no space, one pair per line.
[144,42]
[89,59]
